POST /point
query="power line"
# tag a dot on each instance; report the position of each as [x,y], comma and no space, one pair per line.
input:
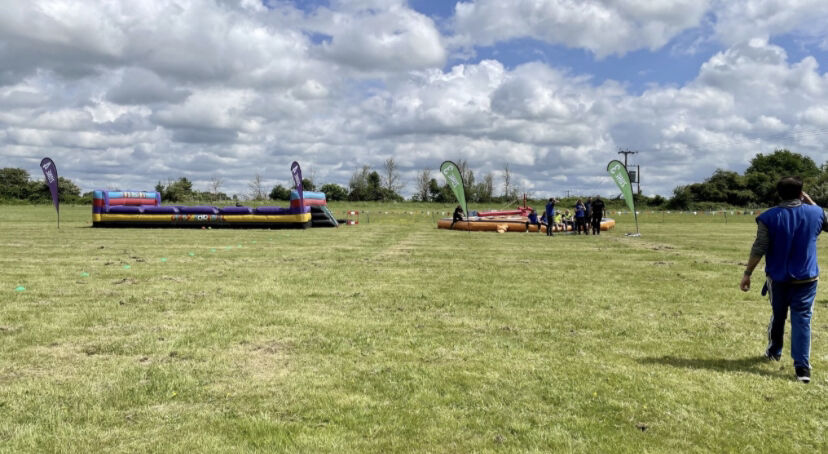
[637,176]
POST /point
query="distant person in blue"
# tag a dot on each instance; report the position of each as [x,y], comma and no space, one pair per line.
[786,235]
[550,215]
[580,216]
[533,220]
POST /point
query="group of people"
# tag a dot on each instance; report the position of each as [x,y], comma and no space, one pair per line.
[786,236]
[586,216]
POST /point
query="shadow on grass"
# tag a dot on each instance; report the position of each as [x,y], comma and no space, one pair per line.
[752,364]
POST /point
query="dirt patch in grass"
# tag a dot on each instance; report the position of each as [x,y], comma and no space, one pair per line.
[126,280]
[263,361]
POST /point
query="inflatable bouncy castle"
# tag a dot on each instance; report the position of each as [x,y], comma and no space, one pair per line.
[144,209]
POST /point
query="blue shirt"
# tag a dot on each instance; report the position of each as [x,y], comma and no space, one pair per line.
[550,210]
[792,251]
[579,211]
[533,218]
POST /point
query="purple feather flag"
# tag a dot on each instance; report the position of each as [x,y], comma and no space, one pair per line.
[50,171]
[297,181]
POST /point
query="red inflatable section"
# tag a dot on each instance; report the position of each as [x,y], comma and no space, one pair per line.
[132,201]
[308,203]
[521,211]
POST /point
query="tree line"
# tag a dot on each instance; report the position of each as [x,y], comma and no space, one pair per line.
[756,187]
[17,185]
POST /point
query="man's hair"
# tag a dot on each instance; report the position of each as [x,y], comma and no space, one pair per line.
[789,188]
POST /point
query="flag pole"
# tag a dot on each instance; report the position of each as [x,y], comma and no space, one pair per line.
[635,213]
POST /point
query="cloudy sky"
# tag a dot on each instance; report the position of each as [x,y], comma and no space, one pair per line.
[122,94]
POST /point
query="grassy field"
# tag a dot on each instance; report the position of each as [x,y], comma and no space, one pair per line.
[393,336]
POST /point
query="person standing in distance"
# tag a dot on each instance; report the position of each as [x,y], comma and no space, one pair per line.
[580,217]
[597,215]
[550,215]
[588,217]
[786,235]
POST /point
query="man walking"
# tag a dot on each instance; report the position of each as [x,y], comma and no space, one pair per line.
[550,216]
[786,235]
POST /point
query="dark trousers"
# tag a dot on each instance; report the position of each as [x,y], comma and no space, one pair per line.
[596,226]
[580,224]
[800,299]
[549,228]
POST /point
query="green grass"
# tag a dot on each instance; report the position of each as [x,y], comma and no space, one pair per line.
[393,336]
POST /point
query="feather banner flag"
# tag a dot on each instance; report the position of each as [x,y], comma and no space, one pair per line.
[296,171]
[50,172]
[621,177]
[455,182]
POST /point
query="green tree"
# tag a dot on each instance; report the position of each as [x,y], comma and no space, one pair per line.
[483,192]
[358,185]
[435,192]
[280,192]
[176,191]
[14,184]
[765,171]
[657,201]
[307,185]
[334,192]
[68,191]
[374,186]
[681,200]
[366,184]
[723,187]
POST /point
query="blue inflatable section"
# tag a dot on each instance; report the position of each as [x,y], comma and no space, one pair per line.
[307,195]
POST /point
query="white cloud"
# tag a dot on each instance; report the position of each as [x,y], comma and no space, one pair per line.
[607,27]
[186,39]
[371,36]
[133,93]
[741,20]
[140,86]
[745,100]
[601,26]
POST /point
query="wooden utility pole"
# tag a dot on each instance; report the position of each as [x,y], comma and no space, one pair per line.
[625,153]
[638,171]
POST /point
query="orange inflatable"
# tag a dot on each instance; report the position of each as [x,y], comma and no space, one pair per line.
[507,225]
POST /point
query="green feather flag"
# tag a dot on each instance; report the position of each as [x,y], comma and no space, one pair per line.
[621,177]
[455,182]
